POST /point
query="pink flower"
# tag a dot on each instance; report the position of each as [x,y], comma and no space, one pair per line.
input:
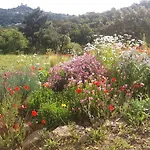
[142,84]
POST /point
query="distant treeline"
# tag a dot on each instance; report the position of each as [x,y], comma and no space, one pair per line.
[64,33]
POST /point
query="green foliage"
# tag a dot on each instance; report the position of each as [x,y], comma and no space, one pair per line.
[97,135]
[40,97]
[55,114]
[136,111]
[75,49]
[32,24]
[12,41]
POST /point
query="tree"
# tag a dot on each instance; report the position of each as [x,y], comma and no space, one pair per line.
[32,24]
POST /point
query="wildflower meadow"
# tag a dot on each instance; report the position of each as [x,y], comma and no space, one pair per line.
[109,81]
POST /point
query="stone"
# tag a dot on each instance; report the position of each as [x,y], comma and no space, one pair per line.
[32,139]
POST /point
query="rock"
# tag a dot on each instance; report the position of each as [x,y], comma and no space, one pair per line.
[32,139]
[62,131]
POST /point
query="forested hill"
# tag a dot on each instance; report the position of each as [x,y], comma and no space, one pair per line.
[15,15]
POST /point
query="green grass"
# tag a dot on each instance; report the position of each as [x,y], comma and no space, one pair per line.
[13,62]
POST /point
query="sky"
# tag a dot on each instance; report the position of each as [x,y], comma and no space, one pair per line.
[75,7]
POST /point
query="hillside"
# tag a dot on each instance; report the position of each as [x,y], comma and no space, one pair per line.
[14,15]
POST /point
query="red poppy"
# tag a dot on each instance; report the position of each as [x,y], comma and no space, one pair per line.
[26,87]
[17,88]
[43,122]
[79,90]
[113,79]
[16,126]
[96,83]
[34,113]
[1,116]
[111,107]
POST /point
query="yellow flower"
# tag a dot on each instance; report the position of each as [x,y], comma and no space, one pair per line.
[63,105]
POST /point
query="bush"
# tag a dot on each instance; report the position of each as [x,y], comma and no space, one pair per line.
[40,97]
[55,114]
[79,69]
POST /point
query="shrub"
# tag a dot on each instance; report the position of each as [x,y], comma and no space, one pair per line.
[40,97]
[55,114]
[79,69]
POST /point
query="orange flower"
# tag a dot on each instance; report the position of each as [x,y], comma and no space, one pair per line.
[34,113]
[39,69]
[79,90]
[43,122]
[26,87]
[111,107]
[46,84]
[106,91]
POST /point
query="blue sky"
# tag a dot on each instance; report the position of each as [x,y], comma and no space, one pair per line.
[70,6]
